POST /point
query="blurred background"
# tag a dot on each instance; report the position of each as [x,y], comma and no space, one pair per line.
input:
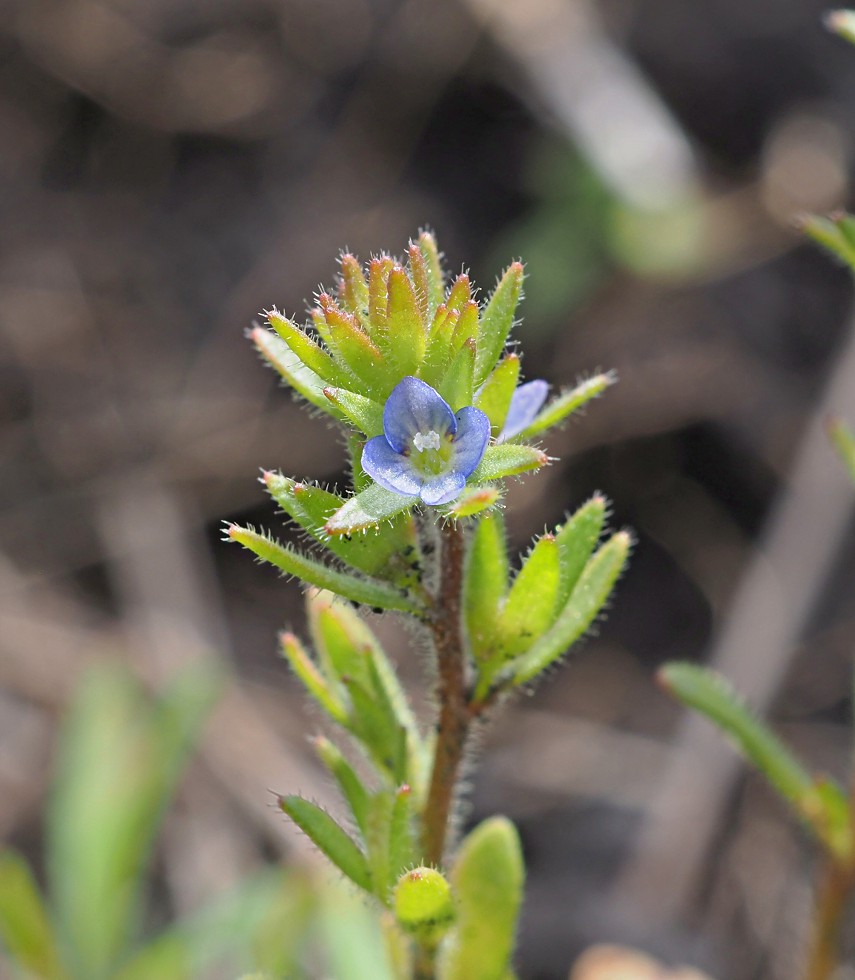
[170,168]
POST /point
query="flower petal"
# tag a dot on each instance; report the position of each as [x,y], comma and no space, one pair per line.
[413,406]
[525,404]
[467,447]
[443,489]
[390,469]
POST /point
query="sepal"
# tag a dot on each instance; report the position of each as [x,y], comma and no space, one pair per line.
[367,509]
[473,501]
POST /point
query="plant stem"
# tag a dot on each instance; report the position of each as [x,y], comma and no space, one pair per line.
[454,713]
[833,892]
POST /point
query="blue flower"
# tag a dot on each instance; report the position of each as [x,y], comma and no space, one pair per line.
[426,450]
[525,404]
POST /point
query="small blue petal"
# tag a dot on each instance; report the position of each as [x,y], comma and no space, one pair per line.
[413,406]
[390,469]
[467,447]
[443,489]
[525,404]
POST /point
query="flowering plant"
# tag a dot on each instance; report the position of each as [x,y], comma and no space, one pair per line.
[421,377]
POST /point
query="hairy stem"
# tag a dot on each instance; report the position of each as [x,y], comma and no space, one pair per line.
[833,892]
[454,714]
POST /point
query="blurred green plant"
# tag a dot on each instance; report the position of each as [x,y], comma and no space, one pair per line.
[822,805]
[120,756]
[422,378]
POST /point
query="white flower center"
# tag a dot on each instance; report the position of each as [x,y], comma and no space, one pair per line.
[423,441]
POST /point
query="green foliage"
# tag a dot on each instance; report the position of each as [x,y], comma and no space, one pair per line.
[391,321]
[821,806]
[487,879]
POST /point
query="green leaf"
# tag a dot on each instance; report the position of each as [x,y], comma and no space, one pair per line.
[585,603]
[352,789]
[460,293]
[376,724]
[342,640]
[405,336]
[402,844]
[391,555]
[378,296]
[309,570]
[485,584]
[419,276]
[530,606]
[354,347]
[314,682]
[282,359]
[433,266]
[456,387]
[474,500]
[466,328]
[487,882]
[329,838]
[365,413]
[567,403]
[120,758]
[308,351]
[576,540]
[843,440]
[377,842]
[367,509]
[497,320]
[711,695]
[437,357]
[827,232]
[494,397]
[24,927]
[507,459]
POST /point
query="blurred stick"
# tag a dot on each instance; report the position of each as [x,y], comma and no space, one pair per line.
[754,649]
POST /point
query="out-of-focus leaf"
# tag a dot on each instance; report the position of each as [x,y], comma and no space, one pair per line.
[223,934]
[352,789]
[351,940]
[329,838]
[487,880]
[119,760]
[844,442]
[711,695]
[842,22]
[25,929]
[320,687]
[827,232]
